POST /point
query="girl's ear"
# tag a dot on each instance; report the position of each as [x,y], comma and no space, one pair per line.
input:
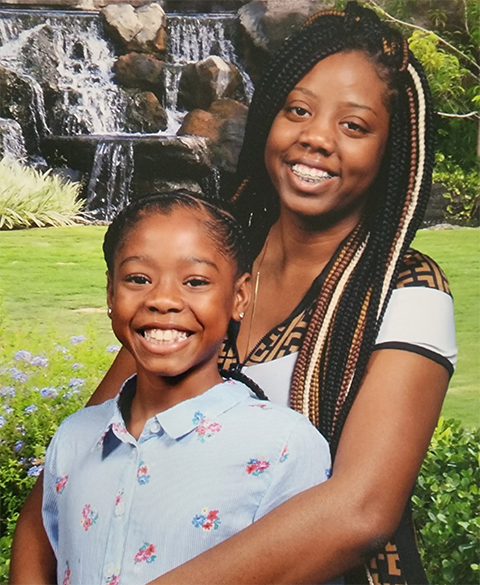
[109,292]
[243,291]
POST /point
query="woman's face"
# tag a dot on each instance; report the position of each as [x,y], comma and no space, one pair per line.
[326,144]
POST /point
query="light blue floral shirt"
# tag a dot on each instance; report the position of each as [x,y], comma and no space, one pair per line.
[120,510]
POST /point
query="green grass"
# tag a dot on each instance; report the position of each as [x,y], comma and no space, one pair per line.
[457,251]
[50,279]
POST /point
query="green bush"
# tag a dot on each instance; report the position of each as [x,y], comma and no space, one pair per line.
[41,383]
[447,505]
[30,198]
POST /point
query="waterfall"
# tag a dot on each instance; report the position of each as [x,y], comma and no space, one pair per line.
[109,187]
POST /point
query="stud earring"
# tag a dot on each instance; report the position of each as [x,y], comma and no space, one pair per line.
[241,315]
[109,311]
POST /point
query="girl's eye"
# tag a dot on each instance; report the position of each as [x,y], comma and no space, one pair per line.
[354,127]
[196,282]
[297,111]
[137,279]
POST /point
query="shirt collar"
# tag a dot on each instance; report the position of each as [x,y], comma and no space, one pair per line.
[182,418]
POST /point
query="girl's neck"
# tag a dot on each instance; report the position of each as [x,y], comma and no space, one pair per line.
[155,394]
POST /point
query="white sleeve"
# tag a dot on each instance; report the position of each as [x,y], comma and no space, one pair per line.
[420,319]
[304,462]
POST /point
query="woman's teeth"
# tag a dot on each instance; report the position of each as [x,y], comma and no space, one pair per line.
[310,174]
[163,336]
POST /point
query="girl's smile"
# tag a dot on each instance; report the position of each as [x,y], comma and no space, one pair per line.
[325,146]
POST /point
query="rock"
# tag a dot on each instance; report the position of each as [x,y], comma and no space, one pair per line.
[140,71]
[228,109]
[269,22]
[228,144]
[137,29]
[18,103]
[200,123]
[208,80]
[12,144]
[144,113]
[38,57]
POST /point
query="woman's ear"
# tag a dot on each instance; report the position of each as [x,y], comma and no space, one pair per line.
[243,291]
[109,293]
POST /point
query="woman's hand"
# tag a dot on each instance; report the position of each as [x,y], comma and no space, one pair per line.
[333,527]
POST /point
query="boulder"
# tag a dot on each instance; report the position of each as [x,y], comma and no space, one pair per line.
[140,71]
[206,81]
[144,113]
[12,144]
[200,123]
[137,29]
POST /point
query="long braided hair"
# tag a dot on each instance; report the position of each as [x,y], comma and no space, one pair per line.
[349,310]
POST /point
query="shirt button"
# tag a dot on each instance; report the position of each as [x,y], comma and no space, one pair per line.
[154,427]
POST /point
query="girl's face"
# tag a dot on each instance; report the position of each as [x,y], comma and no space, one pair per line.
[325,146]
[172,295]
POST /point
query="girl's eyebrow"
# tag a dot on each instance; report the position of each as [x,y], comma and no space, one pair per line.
[189,259]
[312,94]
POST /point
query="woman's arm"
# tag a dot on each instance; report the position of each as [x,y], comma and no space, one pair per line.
[328,529]
[123,367]
[32,559]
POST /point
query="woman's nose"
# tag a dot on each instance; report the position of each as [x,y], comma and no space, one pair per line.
[165,297]
[319,136]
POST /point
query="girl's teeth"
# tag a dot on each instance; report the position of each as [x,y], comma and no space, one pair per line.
[310,174]
[164,335]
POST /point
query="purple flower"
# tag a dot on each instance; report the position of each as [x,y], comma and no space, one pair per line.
[7,391]
[69,394]
[35,470]
[18,375]
[18,446]
[77,366]
[3,420]
[31,408]
[113,348]
[76,382]
[40,361]
[7,408]
[22,355]
[60,348]
[48,392]
[76,339]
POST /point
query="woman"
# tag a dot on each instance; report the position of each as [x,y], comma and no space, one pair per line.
[347,323]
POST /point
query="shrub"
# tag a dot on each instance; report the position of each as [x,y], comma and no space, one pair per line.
[41,383]
[31,198]
[447,505]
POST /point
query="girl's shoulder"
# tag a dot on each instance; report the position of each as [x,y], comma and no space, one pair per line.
[419,270]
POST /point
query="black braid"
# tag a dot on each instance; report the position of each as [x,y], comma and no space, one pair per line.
[236,374]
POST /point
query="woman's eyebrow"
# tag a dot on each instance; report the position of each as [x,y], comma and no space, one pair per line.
[311,93]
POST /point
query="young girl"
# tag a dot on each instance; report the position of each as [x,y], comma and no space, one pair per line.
[182,459]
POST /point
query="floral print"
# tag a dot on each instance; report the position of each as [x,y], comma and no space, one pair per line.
[113,579]
[119,428]
[284,454]
[262,406]
[89,517]
[205,429]
[119,504]
[66,578]
[146,553]
[257,466]
[143,476]
[61,483]
[208,520]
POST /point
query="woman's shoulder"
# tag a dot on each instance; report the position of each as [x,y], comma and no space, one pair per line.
[419,270]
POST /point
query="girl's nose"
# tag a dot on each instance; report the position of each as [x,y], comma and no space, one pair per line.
[165,297]
[319,136]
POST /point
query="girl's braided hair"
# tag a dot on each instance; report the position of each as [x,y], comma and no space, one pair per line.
[224,230]
[350,307]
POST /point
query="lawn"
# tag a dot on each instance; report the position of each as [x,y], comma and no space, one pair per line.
[53,280]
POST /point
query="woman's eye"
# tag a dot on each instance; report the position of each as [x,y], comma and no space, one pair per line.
[354,127]
[196,282]
[137,279]
[297,111]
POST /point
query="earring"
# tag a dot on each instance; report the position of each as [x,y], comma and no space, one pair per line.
[241,315]
[109,311]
